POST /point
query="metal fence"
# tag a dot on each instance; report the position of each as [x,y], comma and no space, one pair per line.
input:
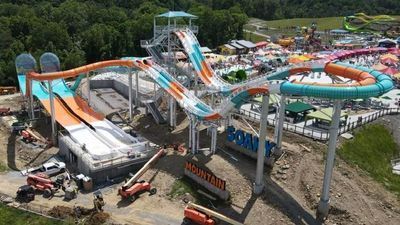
[318,133]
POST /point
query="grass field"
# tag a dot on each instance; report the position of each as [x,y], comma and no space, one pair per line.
[12,216]
[253,37]
[372,149]
[326,23]
[322,23]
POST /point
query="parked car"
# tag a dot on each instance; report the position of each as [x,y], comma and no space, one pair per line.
[50,169]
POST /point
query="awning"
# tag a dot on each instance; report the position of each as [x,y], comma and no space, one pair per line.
[298,107]
[205,50]
[324,114]
[246,44]
[229,47]
[237,46]
[261,44]
[172,14]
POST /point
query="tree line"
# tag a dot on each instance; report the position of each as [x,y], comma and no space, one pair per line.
[85,31]
[286,9]
[81,32]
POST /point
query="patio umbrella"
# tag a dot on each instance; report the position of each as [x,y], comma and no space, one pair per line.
[395,51]
[379,67]
[389,71]
[295,60]
[389,61]
[390,56]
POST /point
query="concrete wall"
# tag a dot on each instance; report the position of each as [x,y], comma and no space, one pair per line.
[118,86]
[86,165]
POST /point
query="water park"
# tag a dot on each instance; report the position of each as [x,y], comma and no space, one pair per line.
[198,114]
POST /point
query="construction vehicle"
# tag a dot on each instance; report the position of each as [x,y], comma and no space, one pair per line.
[28,136]
[8,90]
[203,216]
[42,182]
[98,201]
[25,193]
[49,169]
[133,188]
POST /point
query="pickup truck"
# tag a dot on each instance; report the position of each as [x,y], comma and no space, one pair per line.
[50,169]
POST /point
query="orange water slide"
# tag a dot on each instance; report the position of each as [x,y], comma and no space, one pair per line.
[362,78]
[80,70]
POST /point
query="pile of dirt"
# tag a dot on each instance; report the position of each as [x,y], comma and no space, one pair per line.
[61,212]
[89,216]
[97,218]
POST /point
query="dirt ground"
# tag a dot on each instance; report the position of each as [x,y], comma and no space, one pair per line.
[290,196]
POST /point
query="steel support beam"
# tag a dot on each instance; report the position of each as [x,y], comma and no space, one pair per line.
[53,115]
[279,126]
[130,94]
[137,102]
[323,206]
[88,87]
[30,95]
[259,182]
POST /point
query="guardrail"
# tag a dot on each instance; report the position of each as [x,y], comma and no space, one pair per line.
[318,133]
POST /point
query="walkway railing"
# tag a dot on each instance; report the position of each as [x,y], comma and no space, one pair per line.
[319,133]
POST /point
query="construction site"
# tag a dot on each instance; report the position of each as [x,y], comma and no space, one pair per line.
[160,140]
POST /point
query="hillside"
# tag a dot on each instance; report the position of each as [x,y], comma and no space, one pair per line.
[279,9]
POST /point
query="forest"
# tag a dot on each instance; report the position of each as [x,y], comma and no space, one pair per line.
[81,31]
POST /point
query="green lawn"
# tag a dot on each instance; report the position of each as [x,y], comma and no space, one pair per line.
[322,23]
[12,216]
[253,37]
[372,149]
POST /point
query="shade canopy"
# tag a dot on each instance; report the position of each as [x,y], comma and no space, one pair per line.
[324,114]
[173,14]
[298,107]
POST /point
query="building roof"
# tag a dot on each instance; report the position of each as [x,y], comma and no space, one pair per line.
[261,43]
[237,46]
[246,44]
[339,31]
[172,14]
[229,46]
[205,50]
[298,107]
[324,114]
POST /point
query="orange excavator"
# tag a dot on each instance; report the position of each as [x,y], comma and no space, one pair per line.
[133,188]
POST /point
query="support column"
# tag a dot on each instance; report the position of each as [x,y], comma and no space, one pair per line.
[193,134]
[137,102]
[130,94]
[53,115]
[259,183]
[31,109]
[190,132]
[88,87]
[155,90]
[279,126]
[213,146]
[323,206]
[196,84]
[172,112]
